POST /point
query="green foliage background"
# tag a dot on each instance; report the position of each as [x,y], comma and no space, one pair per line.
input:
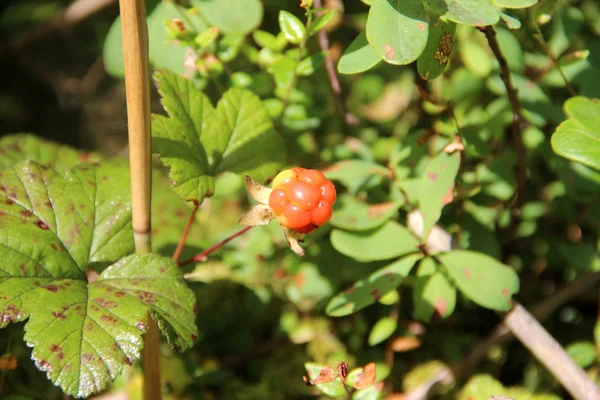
[242,87]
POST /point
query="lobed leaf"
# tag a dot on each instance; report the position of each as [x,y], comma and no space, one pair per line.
[54,228]
[198,141]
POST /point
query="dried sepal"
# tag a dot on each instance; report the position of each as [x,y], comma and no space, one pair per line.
[325,376]
[259,214]
[294,238]
[366,377]
[257,191]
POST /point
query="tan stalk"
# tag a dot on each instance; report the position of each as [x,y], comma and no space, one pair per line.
[137,84]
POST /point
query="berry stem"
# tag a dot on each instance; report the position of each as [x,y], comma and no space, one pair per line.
[202,256]
[184,235]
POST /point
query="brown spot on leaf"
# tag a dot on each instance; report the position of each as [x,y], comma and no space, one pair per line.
[195,308]
[326,375]
[119,294]
[376,293]
[26,213]
[146,297]
[432,176]
[141,325]
[299,280]
[55,348]
[51,288]
[389,51]
[108,319]
[87,357]
[44,365]
[108,304]
[421,26]
[41,225]
[89,326]
[194,337]
[505,292]
[59,315]
[367,377]
[467,273]
[440,306]
[9,202]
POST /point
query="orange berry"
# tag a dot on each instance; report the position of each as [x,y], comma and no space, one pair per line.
[312,176]
[322,213]
[284,179]
[304,195]
[307,229]
[294,217]
[328,192]
[298,170]
[278,199]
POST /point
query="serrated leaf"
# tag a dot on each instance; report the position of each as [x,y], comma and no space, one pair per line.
[436,183]
[368,291]
[514,3]
[436,55]
[320,22]
[578,138]
[397,30]
[293,29]
[26,146]
[481,278]
[333,388]
[198,141]
[468,12]
[434,296]
[54,227]
[232,16]
[383,329]
[354,215]
[387,241]
[360,56]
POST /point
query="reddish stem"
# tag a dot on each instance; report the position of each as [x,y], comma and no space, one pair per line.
[202,256]
[185,234]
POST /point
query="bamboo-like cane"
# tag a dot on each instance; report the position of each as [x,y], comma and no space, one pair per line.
[137,81]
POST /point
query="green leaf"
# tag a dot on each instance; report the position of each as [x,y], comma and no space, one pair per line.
[397,30]
[515,3]
[360,56]
[26,146]
[434,296]
[578,138]
[293,29]
[436,55]
[383,329]
[468,12]
[320,22]
[311,63]
[481,387]
[436,183]
[475,57]
[198,141]
[331,389]
[355,174]
[268,40]
[583,353]
[112,51]
[481,278]
[388,241]
[232,16]
[354,215]
[368,291]
[55,228]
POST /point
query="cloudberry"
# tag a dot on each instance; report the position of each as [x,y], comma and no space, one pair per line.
[302,199]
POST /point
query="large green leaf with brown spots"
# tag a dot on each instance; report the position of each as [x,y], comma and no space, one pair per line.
[54,228]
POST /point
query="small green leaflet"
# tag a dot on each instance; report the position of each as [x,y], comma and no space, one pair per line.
[368,291]
[578,138]
[54,227]
[434,296]
[481,278]
[360,56]
[198,141]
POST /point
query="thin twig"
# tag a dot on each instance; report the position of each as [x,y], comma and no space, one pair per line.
[202,256]
[502,334]
[350,118]
[186,231]
[517,120]
[540,38]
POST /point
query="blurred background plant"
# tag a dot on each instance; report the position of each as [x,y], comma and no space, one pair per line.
[376,107]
